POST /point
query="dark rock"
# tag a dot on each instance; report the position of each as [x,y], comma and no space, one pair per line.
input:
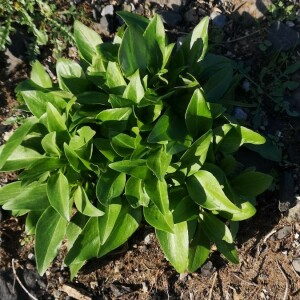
[283,37]
[12,61]
[191,16]
[170,18]
[218,19]
[287,191]
[9,288]
[284,232]
[208,269]
[107,10]
[296,264]
[175,5]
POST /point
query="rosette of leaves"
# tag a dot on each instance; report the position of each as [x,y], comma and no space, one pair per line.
[137,131]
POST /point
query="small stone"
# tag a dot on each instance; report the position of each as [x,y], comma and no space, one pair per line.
[284,232]
[12,61]
[208,269]
[126,7]
[239,114]
[294,213]
[246,85]
[290,24]
[296,264]
[103,26]
[170,18]
[175,5]
[107,10]
[148,239]
[296,236]
[218,19]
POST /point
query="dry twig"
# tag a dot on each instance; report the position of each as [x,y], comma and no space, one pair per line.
[285,297]
[243,280]
[212,287]
[72,292]
[19,281]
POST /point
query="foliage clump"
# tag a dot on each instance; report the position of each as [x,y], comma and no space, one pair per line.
[137,130]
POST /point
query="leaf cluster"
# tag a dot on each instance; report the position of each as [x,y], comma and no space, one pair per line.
[136,131]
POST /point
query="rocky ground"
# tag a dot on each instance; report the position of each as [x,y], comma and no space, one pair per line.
[268,244]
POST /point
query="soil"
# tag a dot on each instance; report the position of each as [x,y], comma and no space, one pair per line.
[268,244]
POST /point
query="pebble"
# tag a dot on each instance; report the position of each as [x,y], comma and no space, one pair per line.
[240,114]
[294,213]
[171,18]
[31,256]
[218,19]
[296,264]
[208,269]
[284,232]
[107,10]
[148,239]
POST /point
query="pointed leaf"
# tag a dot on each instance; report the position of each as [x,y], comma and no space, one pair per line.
[136,168]
[58,194]
[135,192]
[50,231]
[134,20]
[39,76]
[176,246]
[134,90]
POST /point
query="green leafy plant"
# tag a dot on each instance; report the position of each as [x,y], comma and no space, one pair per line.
[136,132]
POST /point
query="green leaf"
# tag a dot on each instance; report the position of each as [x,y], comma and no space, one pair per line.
[21,158]
[115,114]
[108,52]
[155,40]
[134,20]
[198,118]
[136,168]
[50,231]
[92,98]
[135,192]
[30,197]
[249,136]
[58,194]
[87,244]
[134,90]
[39,76]
[129,220]
[184,208]
[110,185]
[114,79]
[176,246]
[84,205]
[157,190]
[86,40]
[214,228]
[16,139]
[123,144]
[267,150]
[199,250]
[158,162]
[131,57]
[104,146]
[155,218]
[228,250]
[251,183]
[49,144]
[55,120]
[31,221]
[206,191]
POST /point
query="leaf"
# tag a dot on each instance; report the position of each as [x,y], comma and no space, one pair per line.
[135,192]
[214,228]
[39,76]
[49,144]
[86,40]
[114,79]
[158,162]
[92,98]
[136,168]
[104,146]
[250,137]
[31,221]
[175,246]
[158,192]
[110,185]
[251,183]
[134,90]
[155,40]
[21,158]
[184,209]
[30,197]
[206,191]
[228,250]
[155,218]
[123,144]
[58,194]
[198,118]
[55,120]
[50,231]
[129,220]
[131,57]
[267,150]
[114,114]
[16,139]
[134,20]
[199,250]
[84,205]
[86,245]
[108,52]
